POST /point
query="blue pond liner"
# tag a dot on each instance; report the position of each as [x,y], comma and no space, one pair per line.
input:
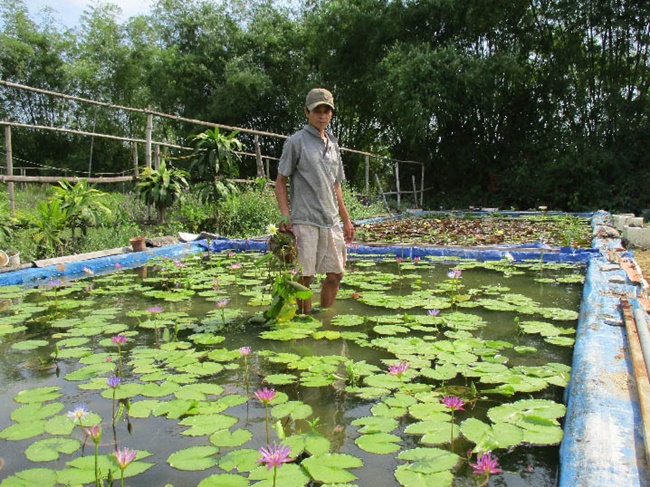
[603,443]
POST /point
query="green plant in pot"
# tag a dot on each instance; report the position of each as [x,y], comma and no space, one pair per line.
[161,188]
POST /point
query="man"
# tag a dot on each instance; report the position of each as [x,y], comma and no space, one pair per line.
[312,160]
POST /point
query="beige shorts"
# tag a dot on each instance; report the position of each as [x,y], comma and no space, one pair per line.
[320,250]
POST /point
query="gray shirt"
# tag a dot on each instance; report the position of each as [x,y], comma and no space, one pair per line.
[312,166]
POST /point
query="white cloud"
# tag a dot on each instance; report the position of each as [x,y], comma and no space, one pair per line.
[68,12]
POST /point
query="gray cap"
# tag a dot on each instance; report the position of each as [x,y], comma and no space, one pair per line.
[319,96]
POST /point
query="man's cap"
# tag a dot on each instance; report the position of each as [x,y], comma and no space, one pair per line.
[319,96]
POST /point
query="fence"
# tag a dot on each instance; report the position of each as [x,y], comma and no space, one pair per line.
[152,151]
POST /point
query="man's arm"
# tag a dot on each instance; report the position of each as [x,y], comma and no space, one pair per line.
[282,195]
[348,228]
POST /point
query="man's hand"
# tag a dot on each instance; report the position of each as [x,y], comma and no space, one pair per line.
[348,231]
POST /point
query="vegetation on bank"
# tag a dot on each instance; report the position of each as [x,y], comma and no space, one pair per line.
[49,222]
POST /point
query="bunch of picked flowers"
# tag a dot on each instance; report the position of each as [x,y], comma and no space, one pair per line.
[282,244]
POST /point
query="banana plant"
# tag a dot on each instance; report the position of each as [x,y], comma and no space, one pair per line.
[161,188]
[82,204]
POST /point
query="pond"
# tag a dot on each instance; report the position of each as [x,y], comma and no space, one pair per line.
[419,368]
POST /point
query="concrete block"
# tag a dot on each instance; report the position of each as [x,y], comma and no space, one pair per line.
[621,221]
[637,237]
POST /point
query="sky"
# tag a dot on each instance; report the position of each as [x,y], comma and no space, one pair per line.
[68,12]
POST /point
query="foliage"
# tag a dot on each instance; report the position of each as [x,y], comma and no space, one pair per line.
[215,163]
[83,205]
[161,188]
[49,225]
[247,213]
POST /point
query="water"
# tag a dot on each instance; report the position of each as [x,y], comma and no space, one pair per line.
[80,317]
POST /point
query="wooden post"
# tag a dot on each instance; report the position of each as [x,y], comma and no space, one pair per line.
[381,191]
[147,154]
[10,170]
[415,191]
[367,178]
[156,157]
[422,188]
[136,169]
[399,202]
[258,157]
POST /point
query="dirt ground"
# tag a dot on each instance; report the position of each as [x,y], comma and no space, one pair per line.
[642,258]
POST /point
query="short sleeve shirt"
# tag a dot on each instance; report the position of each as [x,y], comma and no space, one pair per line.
[312,166]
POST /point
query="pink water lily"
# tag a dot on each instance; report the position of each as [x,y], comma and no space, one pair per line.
[275,456]
[454,403]
[265,395]
[398,369]
[486,464]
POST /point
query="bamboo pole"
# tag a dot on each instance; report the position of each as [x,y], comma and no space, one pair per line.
[147,154]
[367,177]
[399,201]
[381,191]
[56,179]
[10,170]
[415,191]
[422,187]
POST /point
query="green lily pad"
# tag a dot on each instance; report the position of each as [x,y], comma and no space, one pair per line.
[379,443]
[224,480]
[332,467]
[228,439]
[487,438]
[22,431]
[39,394]
[312,443]
[49,449]
[293,409]
[194,458]
[43,477]
[207,424]
[244,460]
[29,344]
[429,460]
[372,424]
[34,411]
[408,477]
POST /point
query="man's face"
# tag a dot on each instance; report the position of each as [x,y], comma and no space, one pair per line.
[320,116]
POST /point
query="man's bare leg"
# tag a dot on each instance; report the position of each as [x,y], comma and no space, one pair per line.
[304,305]
[330,289]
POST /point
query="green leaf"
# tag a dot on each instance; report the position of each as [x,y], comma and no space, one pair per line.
[194,458]
[43,477]
[207,424]
[34,411]
[429,460]
[22,431]
[331,467]
[293,409]
[39,394]
[488,438]
[379,443]
[243,460]
[48,449]
[228,439]
[371,424]
[224,480]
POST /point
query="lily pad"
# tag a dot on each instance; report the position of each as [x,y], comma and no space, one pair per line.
[194,458]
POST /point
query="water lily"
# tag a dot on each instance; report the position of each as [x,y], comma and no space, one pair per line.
[433,312]
[95,433]
[221,304]
[235,266]
[245,352]
[266,396]
[274,456]
[155,310]
[119,339]
[398,369]
[455,404]
[78,414]
[124,456]
[113,383]
[486,464]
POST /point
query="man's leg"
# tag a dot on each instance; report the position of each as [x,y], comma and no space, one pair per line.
[330,289]
[304,305]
